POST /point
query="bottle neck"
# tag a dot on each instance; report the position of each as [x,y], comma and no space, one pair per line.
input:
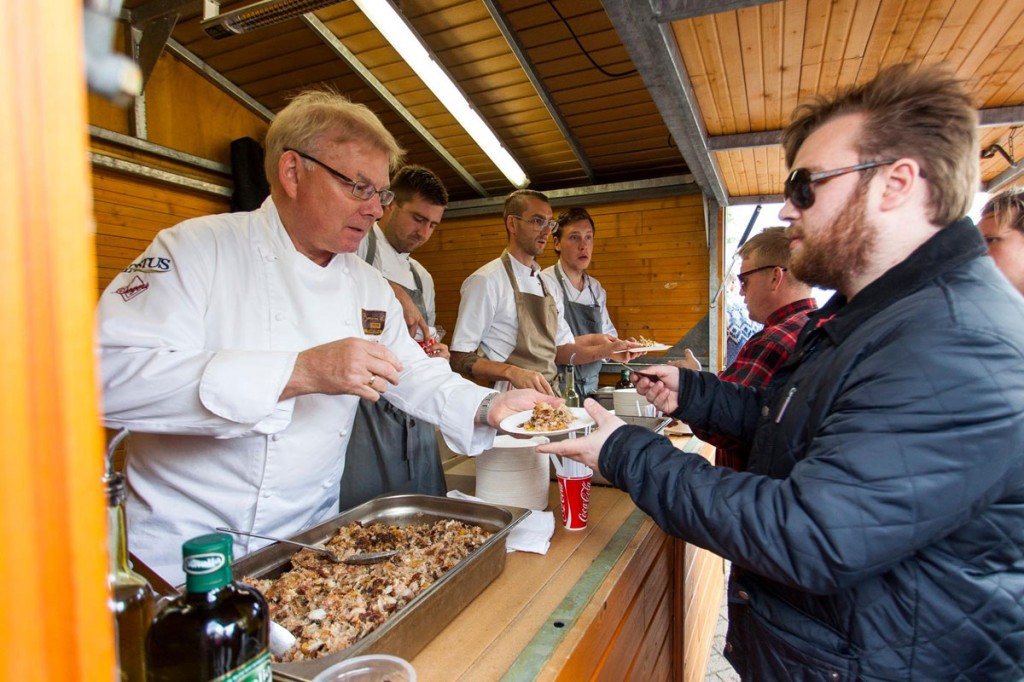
[117,539]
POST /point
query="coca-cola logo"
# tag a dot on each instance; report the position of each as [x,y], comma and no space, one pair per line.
[133,288]
[202,564]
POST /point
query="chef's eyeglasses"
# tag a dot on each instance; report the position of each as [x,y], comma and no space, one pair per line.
[538,222]
[744,276]
[360,190]
[800,183]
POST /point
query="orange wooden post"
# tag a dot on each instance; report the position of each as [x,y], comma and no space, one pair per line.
[53,617]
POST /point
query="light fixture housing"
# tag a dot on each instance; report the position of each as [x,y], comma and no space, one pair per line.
[408,44]
[256,15]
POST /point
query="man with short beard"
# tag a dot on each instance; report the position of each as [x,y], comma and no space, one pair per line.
[877,531]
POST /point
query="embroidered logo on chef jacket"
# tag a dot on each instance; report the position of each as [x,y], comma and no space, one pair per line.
[150,264]
[132,289]
[373,322]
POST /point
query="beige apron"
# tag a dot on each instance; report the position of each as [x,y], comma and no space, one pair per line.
[538,327]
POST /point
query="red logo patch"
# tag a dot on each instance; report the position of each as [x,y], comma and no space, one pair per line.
[133,288]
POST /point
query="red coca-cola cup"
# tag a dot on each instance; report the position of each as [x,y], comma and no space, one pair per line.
[574,491]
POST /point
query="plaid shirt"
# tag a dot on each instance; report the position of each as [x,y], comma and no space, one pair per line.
[755,364]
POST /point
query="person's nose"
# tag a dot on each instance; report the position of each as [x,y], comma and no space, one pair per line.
[788,211]
[372,207]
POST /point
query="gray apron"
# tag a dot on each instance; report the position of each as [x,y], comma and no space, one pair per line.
[583,318]
[537,329]
[390,451]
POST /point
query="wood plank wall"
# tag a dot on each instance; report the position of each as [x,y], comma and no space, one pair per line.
[651,255]
[130,211]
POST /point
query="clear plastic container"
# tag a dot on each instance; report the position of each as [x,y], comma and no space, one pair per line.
[373,668]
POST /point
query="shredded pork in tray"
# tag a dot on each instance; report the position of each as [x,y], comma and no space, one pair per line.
[331,606]
[548,418]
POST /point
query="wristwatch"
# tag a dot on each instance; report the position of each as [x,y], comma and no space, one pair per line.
[485,408]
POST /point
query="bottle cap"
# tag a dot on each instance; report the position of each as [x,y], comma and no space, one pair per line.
[207,562]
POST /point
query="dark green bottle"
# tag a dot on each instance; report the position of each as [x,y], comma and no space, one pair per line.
[218,630]
[624,381]
[572,398]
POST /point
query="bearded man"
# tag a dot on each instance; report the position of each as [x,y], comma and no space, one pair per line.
[877,531]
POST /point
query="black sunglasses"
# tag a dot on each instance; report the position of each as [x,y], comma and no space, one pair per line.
[742,277]
[800,183]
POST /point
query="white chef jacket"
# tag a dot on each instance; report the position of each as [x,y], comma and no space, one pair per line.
[398,267]
[199,337]
[487,311]
[593,294]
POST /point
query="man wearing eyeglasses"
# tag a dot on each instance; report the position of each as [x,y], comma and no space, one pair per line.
[510,328]
[1002,226]
[237,347]
[775,298]
[877,531]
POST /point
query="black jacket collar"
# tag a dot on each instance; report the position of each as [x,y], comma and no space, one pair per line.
[948,249]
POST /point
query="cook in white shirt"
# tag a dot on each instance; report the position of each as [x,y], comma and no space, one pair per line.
[488,343]
[236,347]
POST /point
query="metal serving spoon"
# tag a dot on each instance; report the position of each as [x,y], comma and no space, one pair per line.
[354,559]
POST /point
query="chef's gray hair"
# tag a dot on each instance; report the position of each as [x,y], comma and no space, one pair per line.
[319,116]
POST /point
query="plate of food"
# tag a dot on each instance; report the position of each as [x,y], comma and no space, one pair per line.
[646,346]
[547,420]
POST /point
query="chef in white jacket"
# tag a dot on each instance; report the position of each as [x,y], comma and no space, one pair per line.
[237,346]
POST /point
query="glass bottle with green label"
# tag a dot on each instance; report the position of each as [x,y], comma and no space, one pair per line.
[624,381]
[572,398]
[218,630]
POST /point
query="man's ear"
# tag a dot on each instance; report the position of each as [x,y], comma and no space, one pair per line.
[901,180]
[288,173]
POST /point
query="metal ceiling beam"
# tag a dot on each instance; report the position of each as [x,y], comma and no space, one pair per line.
[1001,116]
[1005,178]
[721,143]
[673,185]
[655,53]
[671,10]
[218,79]
[542,91]
[327,36]
[987,118]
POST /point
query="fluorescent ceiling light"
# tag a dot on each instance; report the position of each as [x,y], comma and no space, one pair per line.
[390,23]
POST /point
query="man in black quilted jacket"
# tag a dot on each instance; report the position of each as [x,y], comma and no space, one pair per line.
[878,533]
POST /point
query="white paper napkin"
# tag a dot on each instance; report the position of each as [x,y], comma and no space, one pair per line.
[532,534]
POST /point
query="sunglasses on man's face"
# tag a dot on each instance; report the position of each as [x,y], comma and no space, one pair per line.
[800,183]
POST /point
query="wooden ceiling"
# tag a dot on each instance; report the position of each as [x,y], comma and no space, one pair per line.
[647,95]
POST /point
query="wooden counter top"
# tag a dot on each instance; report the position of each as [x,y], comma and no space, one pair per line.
[555,616]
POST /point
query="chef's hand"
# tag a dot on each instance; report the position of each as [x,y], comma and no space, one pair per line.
[587,449]
[346,366]
[627,347]
[663,392]
[439,350]
[690,361]
[510,402]
[527,378]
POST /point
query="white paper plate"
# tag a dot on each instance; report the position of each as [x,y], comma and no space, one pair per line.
[656,348]
[513,424]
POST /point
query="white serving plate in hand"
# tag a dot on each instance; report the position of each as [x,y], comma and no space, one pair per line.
[512,424]
[656,348]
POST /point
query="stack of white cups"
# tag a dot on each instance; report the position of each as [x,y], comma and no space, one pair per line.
[513,473]
[628,403]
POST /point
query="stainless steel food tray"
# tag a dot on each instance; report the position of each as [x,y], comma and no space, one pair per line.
[413,626]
